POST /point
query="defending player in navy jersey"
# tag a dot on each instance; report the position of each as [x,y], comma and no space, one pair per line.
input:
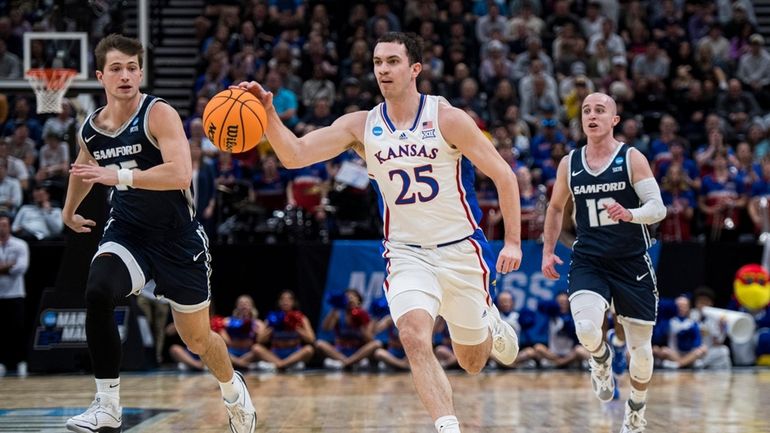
[615,196]
[418,152]
[136,144]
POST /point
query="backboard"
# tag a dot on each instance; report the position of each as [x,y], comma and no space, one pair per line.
[85,22]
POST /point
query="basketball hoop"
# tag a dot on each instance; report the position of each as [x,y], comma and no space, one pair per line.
[50,85]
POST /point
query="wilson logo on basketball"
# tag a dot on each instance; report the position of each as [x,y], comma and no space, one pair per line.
[235,120]
[232,136]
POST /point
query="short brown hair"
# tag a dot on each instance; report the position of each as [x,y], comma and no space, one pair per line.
[410,41]
[125,45]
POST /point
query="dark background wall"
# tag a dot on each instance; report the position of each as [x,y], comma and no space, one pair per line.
[262,271]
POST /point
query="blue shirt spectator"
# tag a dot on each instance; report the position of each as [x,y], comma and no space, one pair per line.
[284,100]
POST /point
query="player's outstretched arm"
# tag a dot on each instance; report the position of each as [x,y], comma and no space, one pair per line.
[77,190]
[319,145]
[459,130]
[553,221]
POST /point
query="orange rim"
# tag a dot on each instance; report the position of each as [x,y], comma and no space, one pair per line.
[54,78]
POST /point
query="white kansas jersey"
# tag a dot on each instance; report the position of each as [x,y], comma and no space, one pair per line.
[425,185]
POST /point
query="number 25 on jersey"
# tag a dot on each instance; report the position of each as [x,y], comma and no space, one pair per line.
[404,197]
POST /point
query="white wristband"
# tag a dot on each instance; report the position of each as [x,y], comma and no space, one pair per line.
[125,177]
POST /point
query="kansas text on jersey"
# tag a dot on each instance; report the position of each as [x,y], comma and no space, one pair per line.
[597,234]
[425,184]
[132,146]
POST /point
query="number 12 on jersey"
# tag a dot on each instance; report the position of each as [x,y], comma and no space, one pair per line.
[597,214]
[419,177]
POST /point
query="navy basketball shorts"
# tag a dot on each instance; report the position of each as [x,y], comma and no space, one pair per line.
[627,283]
[179,263]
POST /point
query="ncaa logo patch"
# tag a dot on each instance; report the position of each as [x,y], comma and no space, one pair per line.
[377,131]
[134,126]
[619,160]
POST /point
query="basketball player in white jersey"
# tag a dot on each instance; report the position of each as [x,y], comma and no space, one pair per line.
[615,196]
[418,151]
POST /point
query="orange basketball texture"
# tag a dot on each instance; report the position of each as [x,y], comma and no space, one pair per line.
[234,120]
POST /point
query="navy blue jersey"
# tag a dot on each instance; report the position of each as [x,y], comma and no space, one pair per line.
[132,146]
[597,234]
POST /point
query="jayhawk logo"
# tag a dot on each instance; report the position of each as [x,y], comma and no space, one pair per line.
[752,287]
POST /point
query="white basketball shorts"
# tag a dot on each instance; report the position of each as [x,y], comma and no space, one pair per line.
[452,281]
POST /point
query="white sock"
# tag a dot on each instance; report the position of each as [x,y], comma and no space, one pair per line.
[111,387]
[638,396]
[617,341]
[229,391]
[601,354]
[447,424]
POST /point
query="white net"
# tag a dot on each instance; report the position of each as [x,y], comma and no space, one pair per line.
[50,85]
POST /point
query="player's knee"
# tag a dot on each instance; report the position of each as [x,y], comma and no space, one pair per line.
[414,339]
[640,368]
[99,292]
[589,334]
[97,298]
[197,342]
[103,283]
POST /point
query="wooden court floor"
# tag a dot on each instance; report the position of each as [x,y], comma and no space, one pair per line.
[495,402]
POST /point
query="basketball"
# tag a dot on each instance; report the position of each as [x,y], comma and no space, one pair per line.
[234,120]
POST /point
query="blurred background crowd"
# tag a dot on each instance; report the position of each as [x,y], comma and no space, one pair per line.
[690,77]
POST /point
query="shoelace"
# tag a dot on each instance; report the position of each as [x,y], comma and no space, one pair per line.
[635,422]
[602,373]
[237,413]
[95,405]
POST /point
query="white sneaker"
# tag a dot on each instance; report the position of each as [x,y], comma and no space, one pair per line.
[21,369]
[299,366]
[333,364]
[181,366]
[103,416]
[670,365]
[601,377]
[243,417]
[266,366]
[505,343]
[633,421]
[547,364]
[3,370]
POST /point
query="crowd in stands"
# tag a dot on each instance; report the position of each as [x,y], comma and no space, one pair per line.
[691,79]
[353,337]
